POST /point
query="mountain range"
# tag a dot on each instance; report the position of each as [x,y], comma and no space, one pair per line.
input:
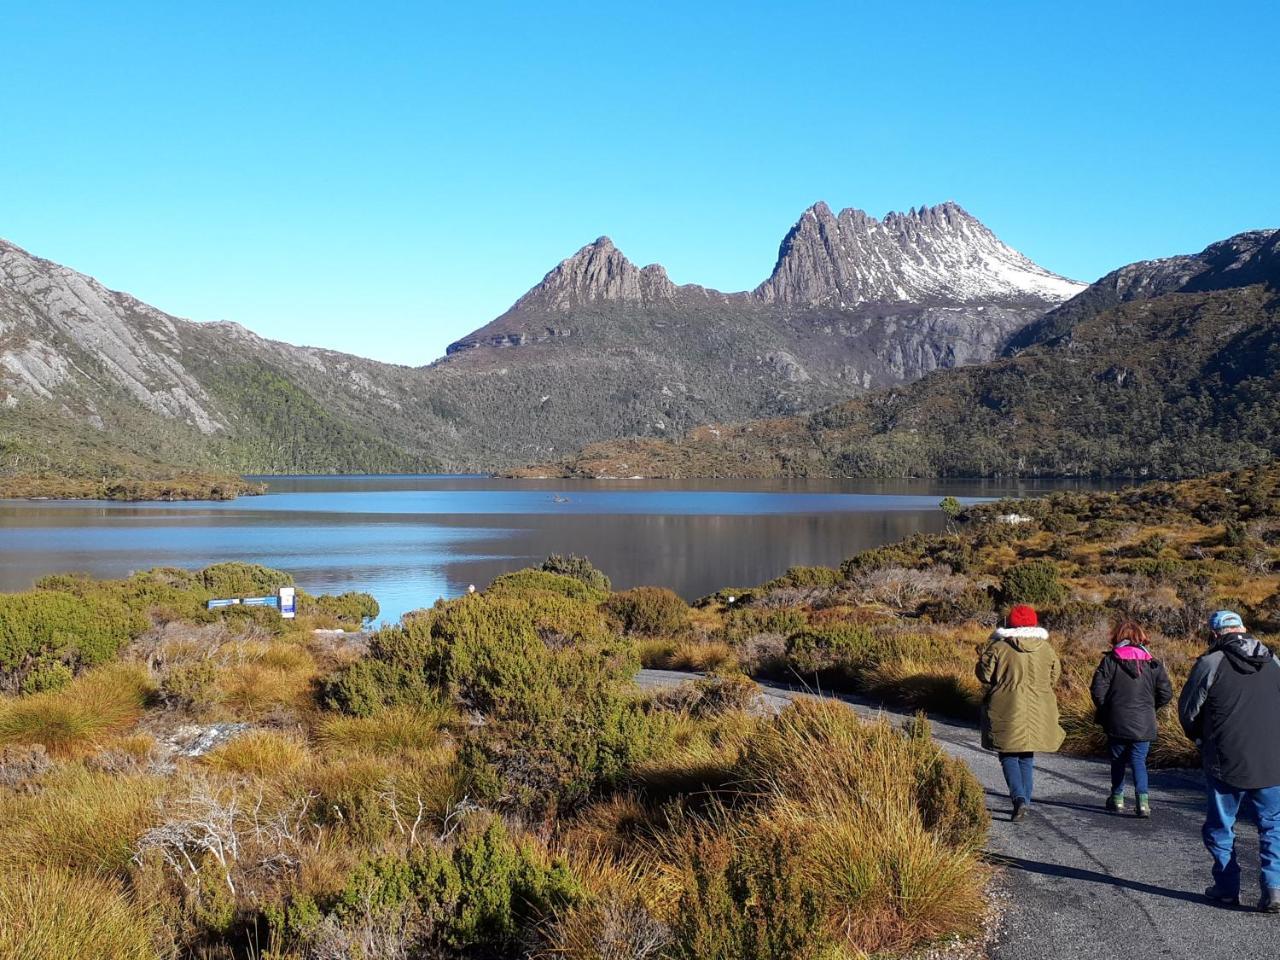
[93,380]
[1161,368]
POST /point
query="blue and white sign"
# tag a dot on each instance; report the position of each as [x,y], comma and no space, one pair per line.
[285,600]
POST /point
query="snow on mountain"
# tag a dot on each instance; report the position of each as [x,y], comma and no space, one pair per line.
[925,255]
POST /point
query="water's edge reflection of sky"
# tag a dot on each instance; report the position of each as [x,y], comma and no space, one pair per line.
[410,540]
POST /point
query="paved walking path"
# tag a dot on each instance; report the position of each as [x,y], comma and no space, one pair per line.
[1086,884]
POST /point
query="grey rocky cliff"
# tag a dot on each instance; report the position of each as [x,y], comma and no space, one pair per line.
[925,255]
[598,271]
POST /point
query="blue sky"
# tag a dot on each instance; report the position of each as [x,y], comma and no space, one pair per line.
[384,177]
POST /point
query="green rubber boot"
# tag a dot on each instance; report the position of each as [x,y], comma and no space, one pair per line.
[1115,803]
[1144,806]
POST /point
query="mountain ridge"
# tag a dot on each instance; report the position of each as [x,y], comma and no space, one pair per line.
[96,380]
[1161,368]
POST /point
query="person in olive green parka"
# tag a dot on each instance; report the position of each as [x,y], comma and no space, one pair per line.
[1018,670]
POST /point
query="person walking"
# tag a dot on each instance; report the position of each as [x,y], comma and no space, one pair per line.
[1128,687]
[1018,670]
[1230,707]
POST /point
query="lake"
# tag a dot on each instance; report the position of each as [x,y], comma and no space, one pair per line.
[409,540]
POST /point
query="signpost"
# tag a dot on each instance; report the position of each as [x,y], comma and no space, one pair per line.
[285,600]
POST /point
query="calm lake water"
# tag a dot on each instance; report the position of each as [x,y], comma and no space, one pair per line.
[410,540]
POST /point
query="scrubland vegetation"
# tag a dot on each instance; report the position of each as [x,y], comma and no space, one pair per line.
[180,486]
[484,779]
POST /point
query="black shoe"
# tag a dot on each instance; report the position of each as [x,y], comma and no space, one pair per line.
[1019,811]
[1270,902]
[1222,898]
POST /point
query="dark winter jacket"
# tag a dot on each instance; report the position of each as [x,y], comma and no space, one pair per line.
[1128,688]
[1231,707]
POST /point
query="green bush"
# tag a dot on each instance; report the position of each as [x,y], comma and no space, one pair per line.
[742,624]
[951,801]
[1061,523]
[1033,581]
[805,577]
[486,895]
[243,579]
[825,650]
[522,581]
[649,611]
[580,568]
[550,678]
[351,609]
[974,603]
[51,623]
[749,901]
[46,675]
[905,554]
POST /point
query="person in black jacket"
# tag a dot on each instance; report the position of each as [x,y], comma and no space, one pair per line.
[1128,688]
[1230,707]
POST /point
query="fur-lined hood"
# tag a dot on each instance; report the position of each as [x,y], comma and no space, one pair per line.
[1025,639]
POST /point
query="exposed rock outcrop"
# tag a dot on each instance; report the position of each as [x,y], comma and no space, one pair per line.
[925,255]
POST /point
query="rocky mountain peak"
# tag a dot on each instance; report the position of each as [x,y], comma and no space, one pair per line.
[927,254]
[599,271]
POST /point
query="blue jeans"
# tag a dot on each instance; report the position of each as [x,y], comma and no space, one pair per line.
[1129,753]
[1220,834]
[1019,773]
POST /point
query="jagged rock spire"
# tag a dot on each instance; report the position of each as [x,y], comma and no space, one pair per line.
[927,254]
[599,271]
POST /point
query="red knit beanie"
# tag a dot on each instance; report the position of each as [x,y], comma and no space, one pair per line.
[1023,616]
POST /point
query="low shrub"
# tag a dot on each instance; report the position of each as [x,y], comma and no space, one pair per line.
[1032,581]
[580,568]
[44,624]
[904,554]
[748,895]
[484,895]
[523,581]
[806,577]
[649,611]
[351,609]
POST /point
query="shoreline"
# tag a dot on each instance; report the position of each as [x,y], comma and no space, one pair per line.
[182,487]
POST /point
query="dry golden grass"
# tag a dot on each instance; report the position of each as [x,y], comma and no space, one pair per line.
[80,819]
[850,790]
[377,799]
[256,689]
[73,721]
[54,914]
[704,656]
[259,754]
[399,730]
[619,917]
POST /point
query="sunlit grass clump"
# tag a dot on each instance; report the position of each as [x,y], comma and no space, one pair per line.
[76,719]
[54,914]
[79,818]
